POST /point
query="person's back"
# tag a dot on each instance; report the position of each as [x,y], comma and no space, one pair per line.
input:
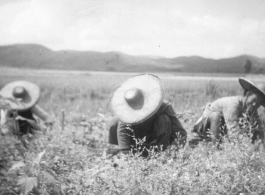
[143,114]
[222,116]
[231,109]
[160,129]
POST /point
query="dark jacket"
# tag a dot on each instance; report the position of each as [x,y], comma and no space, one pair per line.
[128,133]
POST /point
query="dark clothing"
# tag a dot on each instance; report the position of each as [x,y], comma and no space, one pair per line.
[23,121]
[24,125]
[26,114]
[163,128]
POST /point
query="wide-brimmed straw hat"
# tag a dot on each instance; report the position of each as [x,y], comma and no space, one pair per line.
[25,94]
[137,99]
[255,88]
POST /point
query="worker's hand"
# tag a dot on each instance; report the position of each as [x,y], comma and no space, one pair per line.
[49,122]
[127,151]
[112,151]
[4,130]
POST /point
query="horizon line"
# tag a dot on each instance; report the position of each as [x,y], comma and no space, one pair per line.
[143,55]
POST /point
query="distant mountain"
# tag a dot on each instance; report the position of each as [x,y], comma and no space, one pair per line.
[227,65]
[39,57]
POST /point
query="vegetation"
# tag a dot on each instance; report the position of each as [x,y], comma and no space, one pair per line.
[248,66]
[71,157]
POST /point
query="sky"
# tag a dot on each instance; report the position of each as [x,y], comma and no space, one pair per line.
[169,28]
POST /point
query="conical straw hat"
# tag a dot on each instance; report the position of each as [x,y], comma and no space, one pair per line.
[250,86]
[25,94]
[137,99]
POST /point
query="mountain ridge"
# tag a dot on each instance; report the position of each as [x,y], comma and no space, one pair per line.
[39,57]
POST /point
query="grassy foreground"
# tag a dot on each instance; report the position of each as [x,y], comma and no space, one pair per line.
[71,157]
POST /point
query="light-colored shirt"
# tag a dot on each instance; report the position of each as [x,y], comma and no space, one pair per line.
[232,109]
[42,114]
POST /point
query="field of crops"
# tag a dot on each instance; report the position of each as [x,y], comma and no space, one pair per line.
[71,157]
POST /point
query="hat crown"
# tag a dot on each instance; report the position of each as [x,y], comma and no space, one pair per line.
[135,98]
[19,92]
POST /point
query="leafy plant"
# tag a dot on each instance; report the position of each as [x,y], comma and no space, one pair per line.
[32,176]
[71,157]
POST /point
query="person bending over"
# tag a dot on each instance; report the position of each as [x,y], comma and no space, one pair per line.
[22,98]
[142,114]
[222,116]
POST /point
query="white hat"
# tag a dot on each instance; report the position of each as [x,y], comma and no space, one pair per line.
[249,86]
[25,94]
[137,99]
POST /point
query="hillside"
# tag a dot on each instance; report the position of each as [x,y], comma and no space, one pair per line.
[39,57]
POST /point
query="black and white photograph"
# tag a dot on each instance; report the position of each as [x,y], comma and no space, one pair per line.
[132,97]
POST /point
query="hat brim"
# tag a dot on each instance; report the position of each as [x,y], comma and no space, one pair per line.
[31,97]
[152,89]
[249,86]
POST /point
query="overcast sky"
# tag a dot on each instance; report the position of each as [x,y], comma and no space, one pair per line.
[170,28]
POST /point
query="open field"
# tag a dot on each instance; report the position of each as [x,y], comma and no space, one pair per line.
[76,84]
[77,143]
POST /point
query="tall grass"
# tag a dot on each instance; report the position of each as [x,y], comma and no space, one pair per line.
[71,158]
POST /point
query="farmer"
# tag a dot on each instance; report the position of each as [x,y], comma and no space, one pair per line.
[222,116]
[143,114]
[22,98]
